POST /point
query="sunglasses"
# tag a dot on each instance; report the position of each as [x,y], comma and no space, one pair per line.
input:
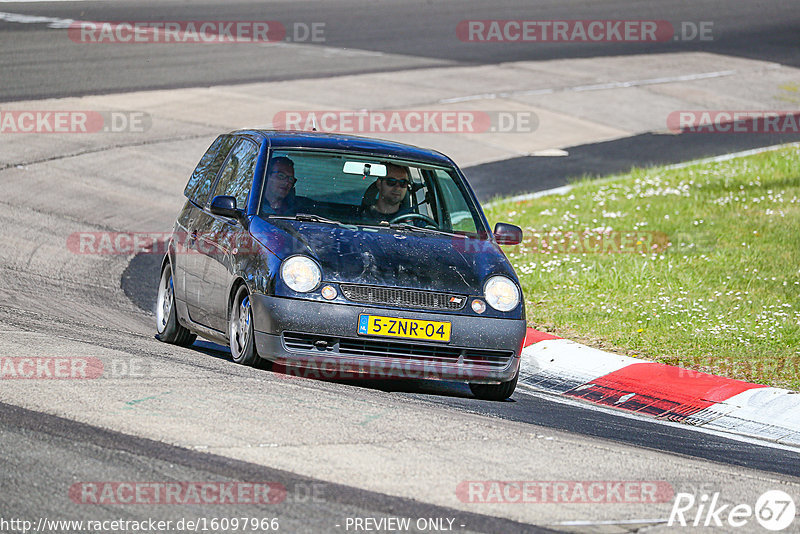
[394,182]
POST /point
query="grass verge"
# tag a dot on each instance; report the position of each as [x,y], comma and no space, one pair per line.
[697,267]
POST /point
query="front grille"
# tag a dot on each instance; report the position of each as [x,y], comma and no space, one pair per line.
[409,351]
[304,342]
[394,349]
[405,298]
[489,358]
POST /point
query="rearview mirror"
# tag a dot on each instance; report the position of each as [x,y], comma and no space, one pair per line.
[362,168]
[507,234]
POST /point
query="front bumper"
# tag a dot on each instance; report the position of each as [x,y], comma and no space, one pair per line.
[302,334]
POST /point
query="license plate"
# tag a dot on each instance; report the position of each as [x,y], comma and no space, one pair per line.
[377,325]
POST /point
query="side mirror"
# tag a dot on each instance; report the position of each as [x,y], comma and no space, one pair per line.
[225,206]
[507,234]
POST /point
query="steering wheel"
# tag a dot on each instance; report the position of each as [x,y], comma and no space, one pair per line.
[419,216]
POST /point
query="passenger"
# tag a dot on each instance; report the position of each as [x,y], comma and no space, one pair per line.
[392,191]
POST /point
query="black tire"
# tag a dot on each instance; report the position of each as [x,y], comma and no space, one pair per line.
[168,329]
[240,329]
[495,392]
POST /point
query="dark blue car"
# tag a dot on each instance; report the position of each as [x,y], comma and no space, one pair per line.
[353,257]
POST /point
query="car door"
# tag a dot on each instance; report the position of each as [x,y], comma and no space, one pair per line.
[188,269]
[220,235]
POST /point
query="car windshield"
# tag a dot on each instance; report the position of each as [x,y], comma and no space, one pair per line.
[369,191]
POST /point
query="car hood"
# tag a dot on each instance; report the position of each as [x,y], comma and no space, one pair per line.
[386,257]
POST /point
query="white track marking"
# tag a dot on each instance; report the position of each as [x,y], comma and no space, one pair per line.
[581,523]
[593,87]
[51,22]
[771,412]
[525,389]
[564,189]
[566,363]
[732,155]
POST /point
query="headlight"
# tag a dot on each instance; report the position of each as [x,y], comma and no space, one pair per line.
[301,274]
[501,293]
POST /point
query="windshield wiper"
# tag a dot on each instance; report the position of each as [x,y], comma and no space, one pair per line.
[306,217]
[424,229]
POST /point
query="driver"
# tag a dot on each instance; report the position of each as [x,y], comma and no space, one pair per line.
[279,194]
[278,197]
[392,190]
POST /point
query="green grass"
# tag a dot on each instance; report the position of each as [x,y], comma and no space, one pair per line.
[717,289]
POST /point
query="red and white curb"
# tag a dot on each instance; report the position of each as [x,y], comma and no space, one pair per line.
[563,367]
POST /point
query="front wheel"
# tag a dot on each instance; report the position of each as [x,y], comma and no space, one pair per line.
[240,329]
[495,392]
[168,329]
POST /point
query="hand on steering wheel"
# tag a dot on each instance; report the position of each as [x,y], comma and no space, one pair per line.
[419,216]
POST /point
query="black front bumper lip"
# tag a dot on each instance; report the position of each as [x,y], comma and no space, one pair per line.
[328,326]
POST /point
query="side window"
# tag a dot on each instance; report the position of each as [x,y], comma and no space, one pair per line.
[236,177]
[455,206]
[202,179]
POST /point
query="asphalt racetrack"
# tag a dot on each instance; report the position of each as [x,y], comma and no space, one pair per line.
[340,450]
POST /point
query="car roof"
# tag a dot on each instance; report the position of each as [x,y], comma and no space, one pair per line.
[349,143]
